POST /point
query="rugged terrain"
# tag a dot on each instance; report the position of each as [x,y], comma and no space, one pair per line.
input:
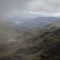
[31,44]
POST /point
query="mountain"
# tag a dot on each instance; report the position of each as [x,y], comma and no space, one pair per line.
[30,38]
[37,22]
[45,45]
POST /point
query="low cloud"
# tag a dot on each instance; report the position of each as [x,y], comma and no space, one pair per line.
[13,7]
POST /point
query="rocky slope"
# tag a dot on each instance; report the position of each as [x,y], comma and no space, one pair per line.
[42,46]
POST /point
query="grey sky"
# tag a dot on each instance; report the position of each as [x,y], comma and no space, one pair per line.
[16,7]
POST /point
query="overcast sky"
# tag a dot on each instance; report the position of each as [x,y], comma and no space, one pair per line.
[10,8]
